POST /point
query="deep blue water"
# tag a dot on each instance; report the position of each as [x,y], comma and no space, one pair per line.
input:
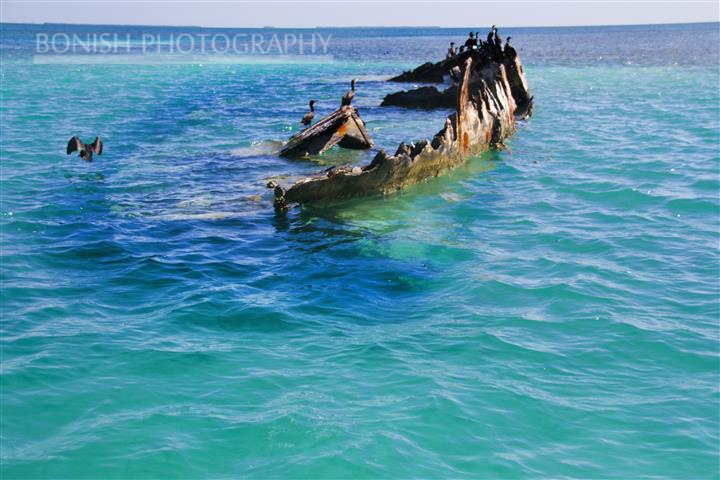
[551,311]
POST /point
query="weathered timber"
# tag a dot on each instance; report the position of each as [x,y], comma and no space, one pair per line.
[431,97]
[344,126]
[423,97]
[490,96]
[432,72]
[518,84]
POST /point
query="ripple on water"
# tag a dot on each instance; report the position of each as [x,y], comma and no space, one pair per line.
[550,311]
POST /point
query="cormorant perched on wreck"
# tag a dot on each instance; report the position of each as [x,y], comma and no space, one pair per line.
[451,50]
[86,150]
[471,41]
[349,95]
[455,74]
[308,118]
[509,51]
[498,42]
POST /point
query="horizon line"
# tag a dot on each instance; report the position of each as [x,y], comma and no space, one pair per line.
[269,27]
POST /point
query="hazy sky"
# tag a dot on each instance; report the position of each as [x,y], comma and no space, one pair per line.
[304,13]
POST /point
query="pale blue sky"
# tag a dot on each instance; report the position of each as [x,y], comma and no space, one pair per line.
[296,13]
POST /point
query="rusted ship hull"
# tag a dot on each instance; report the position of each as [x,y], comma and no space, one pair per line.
[490,95]
[344,126]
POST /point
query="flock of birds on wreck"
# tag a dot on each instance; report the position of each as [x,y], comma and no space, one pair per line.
[491,49]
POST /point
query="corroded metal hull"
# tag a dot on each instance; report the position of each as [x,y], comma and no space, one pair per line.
[344,126]
[490,97]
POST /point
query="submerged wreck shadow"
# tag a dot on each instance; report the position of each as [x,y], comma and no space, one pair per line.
[379,244]
[378,213]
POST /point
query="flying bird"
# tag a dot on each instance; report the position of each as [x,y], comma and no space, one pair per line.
[86,150]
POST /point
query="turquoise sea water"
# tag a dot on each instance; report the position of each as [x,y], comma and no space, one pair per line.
[546,312]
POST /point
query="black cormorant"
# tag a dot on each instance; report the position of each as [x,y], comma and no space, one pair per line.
[308,118]
[86,150]
[470,41]
[509,50]
[455,74]
[490,35]
[349,95]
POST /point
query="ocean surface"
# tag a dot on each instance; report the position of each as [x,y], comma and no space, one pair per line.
[549,311]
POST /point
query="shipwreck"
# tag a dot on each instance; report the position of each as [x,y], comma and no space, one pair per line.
[343,126]
[490,94]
